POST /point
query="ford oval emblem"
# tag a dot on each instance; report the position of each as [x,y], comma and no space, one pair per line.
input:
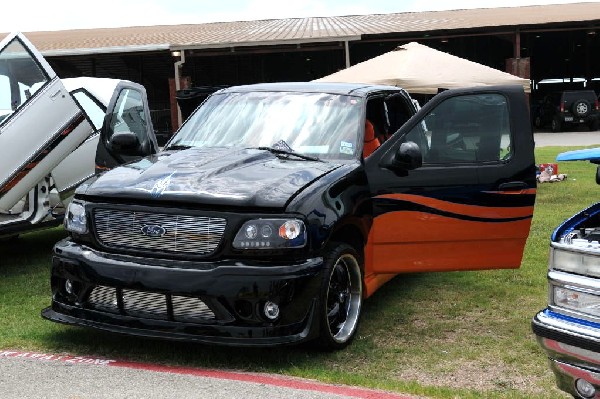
[153,230]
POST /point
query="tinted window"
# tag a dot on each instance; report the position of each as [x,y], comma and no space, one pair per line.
[128,114]
[571,96]
[465,129]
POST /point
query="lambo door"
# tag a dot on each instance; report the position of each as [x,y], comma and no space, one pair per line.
[124,100]
[470,204]
[39,121]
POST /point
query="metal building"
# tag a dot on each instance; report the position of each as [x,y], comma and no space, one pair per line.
[560,42]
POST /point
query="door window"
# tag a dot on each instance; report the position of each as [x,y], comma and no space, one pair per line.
[465,129]
[128,115]
[91,107]
[385,114]
[20,77]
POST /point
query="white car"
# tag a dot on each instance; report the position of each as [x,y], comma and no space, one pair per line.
[54,134]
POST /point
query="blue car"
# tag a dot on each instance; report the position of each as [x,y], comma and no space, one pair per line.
[569,328]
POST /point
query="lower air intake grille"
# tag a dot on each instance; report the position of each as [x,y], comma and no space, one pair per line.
[150,305]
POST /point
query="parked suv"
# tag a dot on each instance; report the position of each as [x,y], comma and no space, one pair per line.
[568,108]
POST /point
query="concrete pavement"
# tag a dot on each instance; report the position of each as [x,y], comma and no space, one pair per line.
[576,138]
[26,375]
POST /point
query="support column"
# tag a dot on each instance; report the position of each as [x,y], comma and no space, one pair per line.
[347,50]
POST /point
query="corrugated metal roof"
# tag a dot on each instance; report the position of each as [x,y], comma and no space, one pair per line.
[299,30]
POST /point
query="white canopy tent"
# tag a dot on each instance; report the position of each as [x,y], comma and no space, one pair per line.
[422,70]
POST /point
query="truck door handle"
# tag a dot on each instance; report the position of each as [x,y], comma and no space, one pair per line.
[513,186]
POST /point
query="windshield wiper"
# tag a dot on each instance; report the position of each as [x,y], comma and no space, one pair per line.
[282,148]
[279,151]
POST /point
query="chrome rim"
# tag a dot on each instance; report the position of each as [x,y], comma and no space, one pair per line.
[344,298]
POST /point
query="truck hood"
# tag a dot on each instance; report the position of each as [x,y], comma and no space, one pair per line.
[215,176]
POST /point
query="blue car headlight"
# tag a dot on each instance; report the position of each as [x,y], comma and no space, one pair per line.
[271,234]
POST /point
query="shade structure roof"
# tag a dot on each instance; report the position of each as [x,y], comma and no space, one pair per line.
[420,69]
[226,35]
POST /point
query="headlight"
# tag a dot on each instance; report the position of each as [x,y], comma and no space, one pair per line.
[576,300]
[271,234]
[575,262]
[75,219]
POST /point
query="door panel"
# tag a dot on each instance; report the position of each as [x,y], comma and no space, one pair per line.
[80,164]
[40,121]
[76,167]
[470,205]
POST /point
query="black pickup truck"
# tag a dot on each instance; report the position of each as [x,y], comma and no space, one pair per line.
[277,208]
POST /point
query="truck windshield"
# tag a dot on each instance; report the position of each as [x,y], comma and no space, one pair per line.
[319,124]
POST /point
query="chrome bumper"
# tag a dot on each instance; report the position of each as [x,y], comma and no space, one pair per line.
[573,348]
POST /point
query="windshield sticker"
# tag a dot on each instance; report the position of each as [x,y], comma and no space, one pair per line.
[346,148]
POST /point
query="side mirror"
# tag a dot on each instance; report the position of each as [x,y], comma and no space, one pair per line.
[125,143]
[407,157]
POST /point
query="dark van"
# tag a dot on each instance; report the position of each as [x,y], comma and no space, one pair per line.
[276,209]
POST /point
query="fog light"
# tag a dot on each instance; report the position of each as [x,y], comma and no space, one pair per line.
[585,389]
[69,287]
[271,310]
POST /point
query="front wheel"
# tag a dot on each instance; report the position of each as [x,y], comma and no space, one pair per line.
[341,297]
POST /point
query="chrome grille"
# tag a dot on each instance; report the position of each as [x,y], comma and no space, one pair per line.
[104,298]
[189,309]
[185,234]
[150,305]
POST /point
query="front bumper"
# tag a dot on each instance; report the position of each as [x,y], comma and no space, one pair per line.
[212,302]
[573,348]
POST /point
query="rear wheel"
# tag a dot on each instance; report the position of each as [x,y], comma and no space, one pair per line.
[556,125]
[341,297]
[581,108]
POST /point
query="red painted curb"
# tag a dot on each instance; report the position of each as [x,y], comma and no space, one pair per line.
[267,379]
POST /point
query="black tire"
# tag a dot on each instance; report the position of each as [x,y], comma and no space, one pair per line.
[594,125]
[581,108]
[340,305]
[556,125]
[13,238]
[537,121]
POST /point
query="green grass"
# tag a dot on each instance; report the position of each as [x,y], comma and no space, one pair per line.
[438,335]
